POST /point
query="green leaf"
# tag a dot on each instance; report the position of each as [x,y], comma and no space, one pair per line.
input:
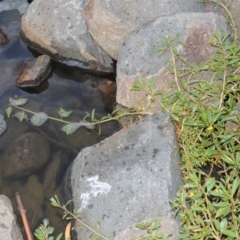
[210,183]
[216,224]
[92,115]
[229,233]
[18,102]
[9,112]
[223,211]
[152,83]
[59,236]
[20,115]
[39,119]
[54,203]
[235,186]
[63,113]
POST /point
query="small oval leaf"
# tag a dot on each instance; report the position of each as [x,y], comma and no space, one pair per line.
[9,112]
[18,102]
[39,119]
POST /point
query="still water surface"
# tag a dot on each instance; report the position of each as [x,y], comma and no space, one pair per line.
[69,88]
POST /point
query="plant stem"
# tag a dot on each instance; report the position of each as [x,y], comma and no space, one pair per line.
[82,223]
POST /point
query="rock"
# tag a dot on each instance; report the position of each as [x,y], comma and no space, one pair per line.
[34,72]
[3,124]
[167,226]
[35,188]
[34,210]
[53,172]
[9,228]
[120,181]
[3,38]
[110,22]
[64,36]
[14,129]
[25,155]
[134,63]
[20,5]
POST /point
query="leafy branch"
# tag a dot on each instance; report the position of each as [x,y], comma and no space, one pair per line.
[39,118]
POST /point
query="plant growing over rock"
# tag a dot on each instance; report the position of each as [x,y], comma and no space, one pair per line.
[206,116]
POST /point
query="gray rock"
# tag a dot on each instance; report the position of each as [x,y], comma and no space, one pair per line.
[25,155]
[34,72]
[135,63]
[64,36]
[120,181]
[20,5]
[3,124]
[9,228]
[110,22]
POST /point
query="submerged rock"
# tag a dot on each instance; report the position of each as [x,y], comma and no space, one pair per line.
[3,38]
[25,155]
[34,72]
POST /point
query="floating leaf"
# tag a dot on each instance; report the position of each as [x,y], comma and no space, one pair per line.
[63,113]
[9,112]
[21,116]
[18,102]
[39,119]
[3,124]
[71,128]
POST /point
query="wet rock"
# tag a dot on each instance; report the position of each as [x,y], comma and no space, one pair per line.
[134,63]
[20,5]
[34,210]
[110,22]
[3,124]
[34,72]
[25,155]
[9,228]
[35,188]
[64,36]
[14,129]
[120,181]
[53,172]
[3,37]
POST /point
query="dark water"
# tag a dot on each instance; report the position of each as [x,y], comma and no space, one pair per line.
[69,88]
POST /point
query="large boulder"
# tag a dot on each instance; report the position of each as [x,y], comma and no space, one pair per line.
[110,22]
[58,29]
[9,228]
[25,155]
[135,62]
[120,181]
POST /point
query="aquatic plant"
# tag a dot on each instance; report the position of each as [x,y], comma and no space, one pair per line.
[39,118]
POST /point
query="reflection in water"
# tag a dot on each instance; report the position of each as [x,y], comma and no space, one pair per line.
[34,159]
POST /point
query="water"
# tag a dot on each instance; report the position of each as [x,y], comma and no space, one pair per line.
[69,88]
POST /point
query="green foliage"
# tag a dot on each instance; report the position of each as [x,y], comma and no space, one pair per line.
[40,118]
[44,231]
[152,228]
[202,111]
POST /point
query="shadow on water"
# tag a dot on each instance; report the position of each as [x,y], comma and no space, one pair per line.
[69,88]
